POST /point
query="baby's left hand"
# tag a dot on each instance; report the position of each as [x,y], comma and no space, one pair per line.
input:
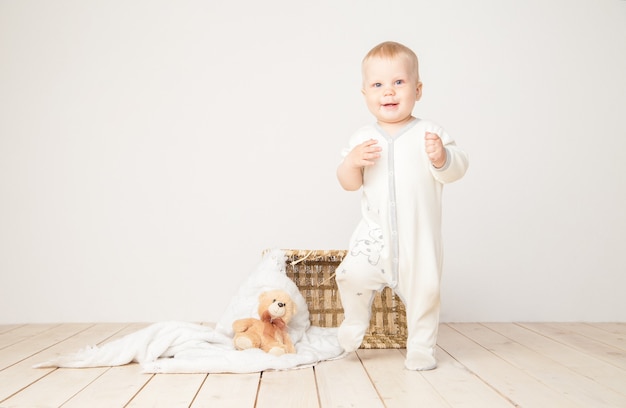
[435,150]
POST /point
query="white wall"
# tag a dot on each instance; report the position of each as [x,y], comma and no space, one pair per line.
[150,150]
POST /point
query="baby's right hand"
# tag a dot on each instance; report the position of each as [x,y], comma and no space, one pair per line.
[365,154]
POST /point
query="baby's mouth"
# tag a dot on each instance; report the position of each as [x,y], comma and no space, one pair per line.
[389,105]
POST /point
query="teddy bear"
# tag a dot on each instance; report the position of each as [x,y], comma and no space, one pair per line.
[269,333]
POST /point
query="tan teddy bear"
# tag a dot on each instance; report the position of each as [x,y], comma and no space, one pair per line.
[270,332]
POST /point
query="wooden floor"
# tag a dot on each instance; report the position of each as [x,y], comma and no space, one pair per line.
[480,365]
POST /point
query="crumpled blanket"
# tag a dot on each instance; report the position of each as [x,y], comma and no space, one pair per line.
[182,347]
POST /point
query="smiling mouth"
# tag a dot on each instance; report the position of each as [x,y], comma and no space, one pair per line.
[389,105]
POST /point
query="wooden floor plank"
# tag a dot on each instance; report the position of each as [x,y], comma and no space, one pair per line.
[519,387]
[461,388]
[45,381]
[228,391]
[169,390]
[600,350]
[21,333]
[396,386]
[28,347]
[578,361]
[95,334]
[616,340]
[579,389]
[344,383]
[22,356]
[8,327]
[613,327]
[116,387]
[300,383]
[55,388]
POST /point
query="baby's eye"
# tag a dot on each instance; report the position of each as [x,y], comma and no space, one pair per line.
[399,82]
[377,85]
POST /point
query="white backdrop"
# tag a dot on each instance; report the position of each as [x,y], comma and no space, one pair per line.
[150,150]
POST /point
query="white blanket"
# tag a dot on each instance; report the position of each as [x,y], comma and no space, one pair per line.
[180,347]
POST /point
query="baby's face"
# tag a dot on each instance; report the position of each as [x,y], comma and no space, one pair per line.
[390,90]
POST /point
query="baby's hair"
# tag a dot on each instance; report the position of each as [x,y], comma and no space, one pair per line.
[390,50]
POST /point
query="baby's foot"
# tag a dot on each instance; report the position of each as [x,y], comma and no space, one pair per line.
[419,361]
[350,337]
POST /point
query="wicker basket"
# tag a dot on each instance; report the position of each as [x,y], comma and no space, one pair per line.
[313,272]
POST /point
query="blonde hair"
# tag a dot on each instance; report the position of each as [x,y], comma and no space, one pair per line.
[391,50]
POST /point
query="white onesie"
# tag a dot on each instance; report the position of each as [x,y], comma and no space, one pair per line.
[398,241]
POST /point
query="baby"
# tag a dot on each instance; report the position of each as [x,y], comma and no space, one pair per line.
[402,163]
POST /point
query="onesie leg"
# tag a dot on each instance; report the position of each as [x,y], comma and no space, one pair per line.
[357,309]
[422,303]
[358,282]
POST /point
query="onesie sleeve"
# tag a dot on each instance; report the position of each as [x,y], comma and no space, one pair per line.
[357,138]
[457,160]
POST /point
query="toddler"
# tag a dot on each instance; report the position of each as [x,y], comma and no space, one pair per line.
[402,163]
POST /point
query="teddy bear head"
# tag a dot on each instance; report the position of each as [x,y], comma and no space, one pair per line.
[276,304]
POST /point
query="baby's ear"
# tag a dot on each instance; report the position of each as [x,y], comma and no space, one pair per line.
[418,91]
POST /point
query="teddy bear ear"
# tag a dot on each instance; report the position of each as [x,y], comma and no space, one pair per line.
[267,296]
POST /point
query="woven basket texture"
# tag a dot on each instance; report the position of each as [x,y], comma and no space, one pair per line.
[313,272]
